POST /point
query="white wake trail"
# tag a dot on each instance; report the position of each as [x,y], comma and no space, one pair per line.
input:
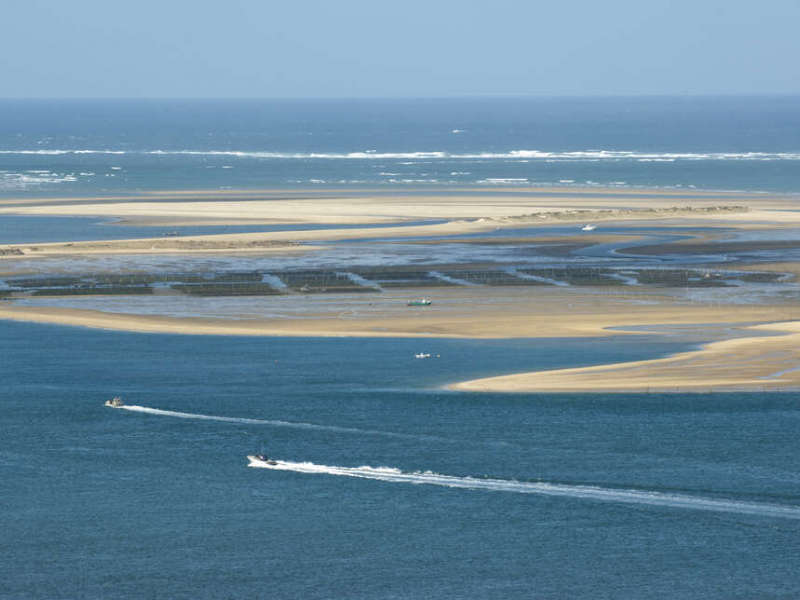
[274,423]
[651,498]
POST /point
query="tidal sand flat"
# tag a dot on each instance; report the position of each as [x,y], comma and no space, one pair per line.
[504,264]
[770,361]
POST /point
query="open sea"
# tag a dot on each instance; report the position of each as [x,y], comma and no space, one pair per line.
[99,147]
[389,486]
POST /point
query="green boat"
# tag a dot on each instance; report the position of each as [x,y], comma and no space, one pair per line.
[422,302]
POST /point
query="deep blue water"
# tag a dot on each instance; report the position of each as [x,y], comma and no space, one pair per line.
[112,503]
[98,147]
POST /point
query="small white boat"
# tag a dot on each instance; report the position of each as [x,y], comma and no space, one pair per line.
[115,402]
[261,458]
[588,227]
[422,355]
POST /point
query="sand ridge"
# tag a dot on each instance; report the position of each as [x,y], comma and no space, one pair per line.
[769,362]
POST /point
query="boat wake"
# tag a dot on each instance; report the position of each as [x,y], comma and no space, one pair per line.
[277,423]
[640,497]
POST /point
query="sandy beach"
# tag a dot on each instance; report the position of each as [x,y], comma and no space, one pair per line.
[755,362]
[365,208]
[769,362]
[741,361]
[449,214]
[454,312]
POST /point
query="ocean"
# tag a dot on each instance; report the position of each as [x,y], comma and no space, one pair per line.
[110,147]
[389,485]
[392,487]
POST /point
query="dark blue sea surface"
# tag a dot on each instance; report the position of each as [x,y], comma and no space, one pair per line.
[100,146]
[505,496]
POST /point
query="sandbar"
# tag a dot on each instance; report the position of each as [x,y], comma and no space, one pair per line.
[478,313]
[761,352]
[768,362]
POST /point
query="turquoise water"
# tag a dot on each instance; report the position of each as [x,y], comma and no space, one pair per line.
[511,496]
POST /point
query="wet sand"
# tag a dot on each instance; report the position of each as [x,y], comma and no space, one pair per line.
[365,208]
[461,215]
[761,362]
[489,313]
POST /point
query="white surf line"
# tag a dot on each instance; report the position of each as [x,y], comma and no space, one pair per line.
[624,277]
[277,423]
[448,279]
[652,498]
[359,280]
[547,280]
[593,155]
[274,281]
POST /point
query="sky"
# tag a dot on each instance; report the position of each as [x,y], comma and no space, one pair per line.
[396,48]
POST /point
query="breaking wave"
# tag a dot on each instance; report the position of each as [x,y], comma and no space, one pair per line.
[640,497]
[33,178]
[582,155]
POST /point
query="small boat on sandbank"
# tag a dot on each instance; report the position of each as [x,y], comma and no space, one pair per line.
[420,302]
[588,227]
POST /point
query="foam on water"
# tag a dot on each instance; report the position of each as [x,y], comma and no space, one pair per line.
[33,178]
[579,155]
[547,280]
[359,280]
[641,497]
[448,279]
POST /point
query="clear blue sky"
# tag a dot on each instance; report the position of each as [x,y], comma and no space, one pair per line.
[366,48]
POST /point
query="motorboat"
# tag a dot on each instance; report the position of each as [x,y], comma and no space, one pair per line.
[588,227]
[262,458]
[422,355]
[420,302]
[115,402]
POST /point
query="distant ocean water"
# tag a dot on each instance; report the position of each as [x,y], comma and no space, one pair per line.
[104,146]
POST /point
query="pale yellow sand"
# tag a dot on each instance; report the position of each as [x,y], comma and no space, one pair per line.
[491,313]
[382,208]
[280,241]
[463,214]
[752,363]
